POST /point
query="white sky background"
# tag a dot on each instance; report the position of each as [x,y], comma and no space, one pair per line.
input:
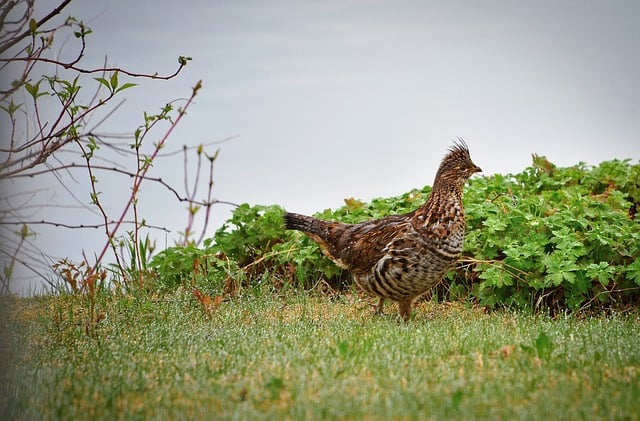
[335,99]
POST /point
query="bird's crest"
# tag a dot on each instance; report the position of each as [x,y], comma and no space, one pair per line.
[459,151]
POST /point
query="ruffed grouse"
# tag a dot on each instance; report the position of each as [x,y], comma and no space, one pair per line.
[400,257]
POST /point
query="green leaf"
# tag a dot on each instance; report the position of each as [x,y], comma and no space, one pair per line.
[560,267]
[94,198]
[183,60]
[8,271]
[114,81]
[24,231]
[34,90]
[125,86]
[602,272]
[104,82]
[496,276]
[633,271]
[495,223]
[11,108]
[33,26]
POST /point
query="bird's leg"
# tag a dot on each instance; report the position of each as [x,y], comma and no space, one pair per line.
[404,308]
[380,306]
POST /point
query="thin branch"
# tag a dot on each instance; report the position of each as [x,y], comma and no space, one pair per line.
[207,213]
[606,291]
[213,142]
[131,174]
[96,201]
[106,117]
[41,22]
[78,226]
[182,63]
[29,265]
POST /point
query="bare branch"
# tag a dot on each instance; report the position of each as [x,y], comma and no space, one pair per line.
[4,47]
[71,66]
[77,226]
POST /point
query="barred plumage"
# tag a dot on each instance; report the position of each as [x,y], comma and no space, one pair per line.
[400,257]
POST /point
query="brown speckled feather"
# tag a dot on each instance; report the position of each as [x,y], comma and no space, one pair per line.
[401,256]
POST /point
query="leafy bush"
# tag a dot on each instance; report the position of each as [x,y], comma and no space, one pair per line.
[242,249]
[547,237]
[558,236]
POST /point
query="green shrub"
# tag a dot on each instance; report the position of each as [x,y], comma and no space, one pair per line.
[564,237]
[548,237]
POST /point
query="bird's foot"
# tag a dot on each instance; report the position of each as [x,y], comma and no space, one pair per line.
[379,309]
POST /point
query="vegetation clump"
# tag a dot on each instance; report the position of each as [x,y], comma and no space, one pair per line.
[547,238]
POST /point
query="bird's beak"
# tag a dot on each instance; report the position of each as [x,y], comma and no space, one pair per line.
[476,169]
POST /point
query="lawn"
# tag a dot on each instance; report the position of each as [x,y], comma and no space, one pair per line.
[305,356]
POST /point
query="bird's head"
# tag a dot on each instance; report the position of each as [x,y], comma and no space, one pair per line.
[456,167]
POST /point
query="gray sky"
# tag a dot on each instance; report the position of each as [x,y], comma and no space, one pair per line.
[335,99]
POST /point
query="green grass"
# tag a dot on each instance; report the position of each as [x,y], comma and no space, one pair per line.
[303,356]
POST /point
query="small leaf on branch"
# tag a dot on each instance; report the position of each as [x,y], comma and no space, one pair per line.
[24,232]
[114,81]
[8,271]
[104,82]
[126,86]
[11,108]
[214,156]
[34,90]
[92,144]
[94,198]
[33,26]
[197,87]
[183,60]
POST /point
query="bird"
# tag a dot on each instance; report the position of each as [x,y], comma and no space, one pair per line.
[400,257]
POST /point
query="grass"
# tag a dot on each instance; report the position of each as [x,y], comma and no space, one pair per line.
[303,356]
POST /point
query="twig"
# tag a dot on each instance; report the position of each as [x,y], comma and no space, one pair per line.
[513,271]
[70,66]
[41,22]
[209,198]
[595,297]
[77,226]
[158,180]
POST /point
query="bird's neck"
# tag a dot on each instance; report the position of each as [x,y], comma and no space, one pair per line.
[443,207]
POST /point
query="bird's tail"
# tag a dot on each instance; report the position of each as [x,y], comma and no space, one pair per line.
[319,231]
[294,221]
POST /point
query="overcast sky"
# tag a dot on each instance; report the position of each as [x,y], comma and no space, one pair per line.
[334,99]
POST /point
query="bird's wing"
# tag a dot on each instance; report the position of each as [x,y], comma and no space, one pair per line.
[360,246]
